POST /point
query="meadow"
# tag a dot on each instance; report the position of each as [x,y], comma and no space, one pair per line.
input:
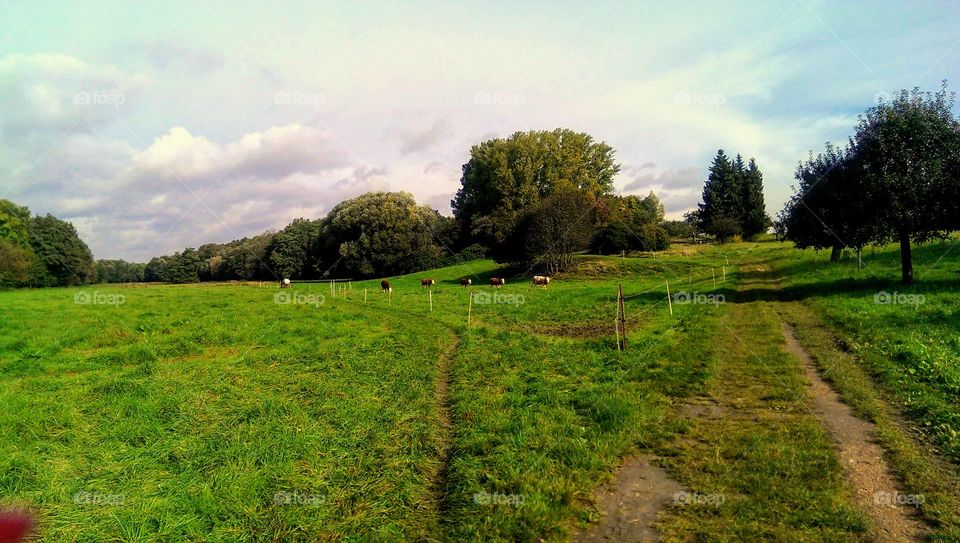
[240,412]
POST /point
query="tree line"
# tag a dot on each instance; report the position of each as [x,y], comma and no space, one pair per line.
[533,199]
[897,180]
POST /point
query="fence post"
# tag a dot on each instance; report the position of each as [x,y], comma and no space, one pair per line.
[469,306]
[364,295]
[724,269]
[431,300]
[622,317]
[713,275]
[669,302]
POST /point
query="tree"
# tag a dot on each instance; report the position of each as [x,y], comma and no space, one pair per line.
[506,178]
[560,226]
[381,233]
[62,257]
[831,207]
[721,197]
[294,249]
[753,214]
[678,229]
[183,267]
[15,263]
[907,147]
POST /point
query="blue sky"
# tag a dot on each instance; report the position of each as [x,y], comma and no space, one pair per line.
[157,128]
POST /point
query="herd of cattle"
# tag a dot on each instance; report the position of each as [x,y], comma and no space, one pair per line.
[538,281]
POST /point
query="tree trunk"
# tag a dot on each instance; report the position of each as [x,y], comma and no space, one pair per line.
[906,259]
[835,254]
[859,258]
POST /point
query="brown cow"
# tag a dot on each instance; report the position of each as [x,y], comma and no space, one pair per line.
[426,283]
[541,281]
[466,282]
[497,281]
[385,286]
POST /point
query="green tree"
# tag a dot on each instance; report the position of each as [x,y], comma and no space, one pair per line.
[907,147]
[15,263]
[62,257]
[561,225]
[753,213]
[721,197]
[182,267]
[293,249]
[381,233]
[506,178]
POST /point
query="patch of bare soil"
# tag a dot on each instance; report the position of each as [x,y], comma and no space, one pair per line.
[630,503]
[874,485]
[576,330]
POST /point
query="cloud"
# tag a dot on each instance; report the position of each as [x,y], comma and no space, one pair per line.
[275,153]
[680,179]
[413,142]
[167,54]
[43,96]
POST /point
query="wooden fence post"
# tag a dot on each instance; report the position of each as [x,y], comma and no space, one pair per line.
[469,306]
[622,318]
[431,300]
[669,302]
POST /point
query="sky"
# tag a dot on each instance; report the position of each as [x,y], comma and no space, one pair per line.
[155,128]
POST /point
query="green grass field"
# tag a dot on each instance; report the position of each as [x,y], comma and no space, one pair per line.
[214,413]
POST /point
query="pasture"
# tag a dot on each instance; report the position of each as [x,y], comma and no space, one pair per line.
[233,412]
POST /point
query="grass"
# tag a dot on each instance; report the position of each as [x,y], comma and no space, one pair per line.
[212,413]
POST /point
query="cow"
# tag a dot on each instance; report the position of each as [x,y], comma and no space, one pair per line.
[426,283]
[466,282]
[541,281]
[497,281]
[285,283]
[385,286]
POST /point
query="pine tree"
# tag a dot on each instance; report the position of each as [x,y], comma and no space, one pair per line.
[721,196]
[753,214]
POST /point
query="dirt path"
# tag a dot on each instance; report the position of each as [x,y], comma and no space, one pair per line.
[630,503]
[873,483]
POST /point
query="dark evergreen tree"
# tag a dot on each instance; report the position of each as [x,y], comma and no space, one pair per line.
[753,212]
[721,197]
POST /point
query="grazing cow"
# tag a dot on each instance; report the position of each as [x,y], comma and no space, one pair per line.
[285,283]
[385,286]
[497,281]
[425,283]
[466,282]
[541,281]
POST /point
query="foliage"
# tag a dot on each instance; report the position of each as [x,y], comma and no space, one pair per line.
[678,229]
[733,193]
[62,257]
[561,225]
[294,249]
[118,271]
[381,233]
[505,178]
